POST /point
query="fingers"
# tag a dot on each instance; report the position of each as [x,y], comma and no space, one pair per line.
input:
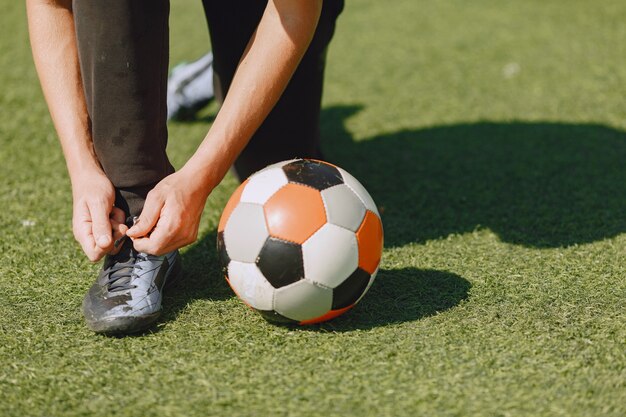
[158,247]
[148,233]
[83,232]
[119,229]
[154,245]
[101,225]
[118,215]
[148,218]
[170,217]
[93,196]
[84,236]
[158,240]
[87,231]
[168,235]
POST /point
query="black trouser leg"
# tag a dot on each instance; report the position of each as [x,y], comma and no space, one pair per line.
[292,128]
[123,50]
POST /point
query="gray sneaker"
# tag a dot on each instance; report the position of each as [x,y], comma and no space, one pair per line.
[190,88]
[126,297]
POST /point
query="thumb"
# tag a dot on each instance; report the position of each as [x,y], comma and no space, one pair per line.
[100,225]
[148,218]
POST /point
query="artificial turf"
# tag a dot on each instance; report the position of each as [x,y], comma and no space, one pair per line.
[491,134]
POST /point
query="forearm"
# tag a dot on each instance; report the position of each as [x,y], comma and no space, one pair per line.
[53,42]
[273,54]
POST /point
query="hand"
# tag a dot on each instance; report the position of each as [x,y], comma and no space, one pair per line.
[96,223]
[170,216]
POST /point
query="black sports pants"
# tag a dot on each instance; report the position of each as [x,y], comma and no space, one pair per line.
[123,49]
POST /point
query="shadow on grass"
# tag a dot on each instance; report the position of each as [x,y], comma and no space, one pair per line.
[398,295]
[534,184]
[401,295]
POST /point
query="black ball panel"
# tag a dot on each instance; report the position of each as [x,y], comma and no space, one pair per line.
[281,262]
[223,255]
[314,174]
[349,291]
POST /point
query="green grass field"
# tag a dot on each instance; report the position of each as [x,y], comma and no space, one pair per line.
[492,134]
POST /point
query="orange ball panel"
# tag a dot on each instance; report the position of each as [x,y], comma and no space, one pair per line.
[230,206]
[328,316]
[294,213]
[370,238]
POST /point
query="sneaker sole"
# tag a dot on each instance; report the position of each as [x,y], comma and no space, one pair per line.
[123,325]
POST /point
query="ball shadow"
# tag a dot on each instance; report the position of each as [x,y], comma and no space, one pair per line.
[401,295]
[397,295]
[537,184]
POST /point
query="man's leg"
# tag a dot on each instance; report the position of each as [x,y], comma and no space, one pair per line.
[292,128]
[123,51]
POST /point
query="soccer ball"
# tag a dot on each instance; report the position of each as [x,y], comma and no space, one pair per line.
[300,241]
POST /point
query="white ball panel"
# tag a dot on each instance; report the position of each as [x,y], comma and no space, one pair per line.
[262,185]
[330,255]
[343,207]
[356,186]
[250,285]
[303,300]
[245,232]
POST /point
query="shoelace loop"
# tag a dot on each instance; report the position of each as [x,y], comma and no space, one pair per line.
[121,274]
